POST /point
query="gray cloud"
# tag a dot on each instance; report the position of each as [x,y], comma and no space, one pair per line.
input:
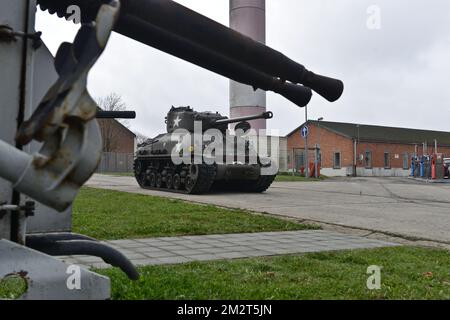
[397,75]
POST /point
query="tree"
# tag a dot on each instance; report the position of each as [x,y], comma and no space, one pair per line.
[109,127]
[141,139]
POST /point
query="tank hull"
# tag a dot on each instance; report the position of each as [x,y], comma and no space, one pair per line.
[233,164]
[160,173]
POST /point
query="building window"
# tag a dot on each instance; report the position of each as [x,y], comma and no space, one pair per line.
[387,160]
[368,160]
[337,160]
[406,161]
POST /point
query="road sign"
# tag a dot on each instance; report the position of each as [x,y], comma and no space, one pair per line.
[304,132]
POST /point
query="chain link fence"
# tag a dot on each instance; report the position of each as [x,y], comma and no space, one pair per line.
[116,162]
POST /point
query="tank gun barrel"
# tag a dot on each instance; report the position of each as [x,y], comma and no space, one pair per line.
[115,115]
[264,115]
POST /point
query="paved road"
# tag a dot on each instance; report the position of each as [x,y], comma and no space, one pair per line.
[391,205]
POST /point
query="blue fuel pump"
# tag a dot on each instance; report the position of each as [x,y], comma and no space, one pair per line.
[413,166]
[422,167]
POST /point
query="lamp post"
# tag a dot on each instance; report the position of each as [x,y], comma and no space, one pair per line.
[318,148]
[306,162]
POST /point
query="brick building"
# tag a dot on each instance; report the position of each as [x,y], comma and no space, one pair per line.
[116,137]
[119,146]
[371,150]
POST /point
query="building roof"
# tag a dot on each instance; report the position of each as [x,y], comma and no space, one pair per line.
[370,133]
[124,127]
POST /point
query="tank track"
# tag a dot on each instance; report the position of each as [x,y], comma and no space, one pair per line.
[163,175]
[259,186]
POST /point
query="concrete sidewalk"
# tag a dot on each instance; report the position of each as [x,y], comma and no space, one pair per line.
[174,250]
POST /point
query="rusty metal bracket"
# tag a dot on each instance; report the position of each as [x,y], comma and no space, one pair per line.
[64,121]
[68,97]
[7,34]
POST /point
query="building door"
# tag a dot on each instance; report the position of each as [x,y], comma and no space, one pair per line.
[299,159]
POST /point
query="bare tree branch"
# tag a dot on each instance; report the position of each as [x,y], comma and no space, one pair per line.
[109,127]
[141,138]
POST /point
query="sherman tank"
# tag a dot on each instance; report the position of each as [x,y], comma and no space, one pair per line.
[155,169]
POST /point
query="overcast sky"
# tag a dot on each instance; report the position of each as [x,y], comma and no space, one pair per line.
[395,76]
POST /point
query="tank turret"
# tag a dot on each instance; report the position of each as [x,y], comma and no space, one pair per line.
[185,117]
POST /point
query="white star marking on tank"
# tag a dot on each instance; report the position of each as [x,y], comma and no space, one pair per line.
[176,122]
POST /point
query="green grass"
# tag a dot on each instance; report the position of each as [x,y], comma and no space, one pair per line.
[407,273]
[12,287]
[107,215]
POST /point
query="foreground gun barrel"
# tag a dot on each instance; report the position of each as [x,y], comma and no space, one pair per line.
[264,115]
[182,48]
[177,30]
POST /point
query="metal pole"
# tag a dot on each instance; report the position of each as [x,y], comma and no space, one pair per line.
[358,133]
[316,161]
[318,148]
[306,146]
[355,157]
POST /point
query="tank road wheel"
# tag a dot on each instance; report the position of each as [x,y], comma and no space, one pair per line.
[169,181]
[189,184]
[177,182]
[152,180]
[191,178]
[200,178]
[193,171]
[159,181]
[139,173]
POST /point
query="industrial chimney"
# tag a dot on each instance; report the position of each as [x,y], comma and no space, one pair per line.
[249,18]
